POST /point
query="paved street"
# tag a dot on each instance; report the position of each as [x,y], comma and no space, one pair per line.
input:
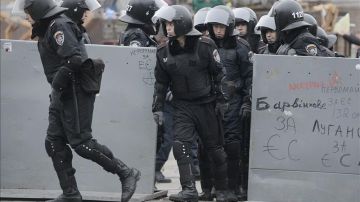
[169,170]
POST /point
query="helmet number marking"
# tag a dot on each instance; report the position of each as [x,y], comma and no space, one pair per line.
[299,14]
[128,8]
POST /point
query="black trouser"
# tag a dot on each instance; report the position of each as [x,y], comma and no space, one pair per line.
[232,137]
[62,117]
[245,147]
[62,131]
[232,122]
[165,139]
[192,119]
[206,169]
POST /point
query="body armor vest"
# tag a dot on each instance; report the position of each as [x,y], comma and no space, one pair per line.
[189,75]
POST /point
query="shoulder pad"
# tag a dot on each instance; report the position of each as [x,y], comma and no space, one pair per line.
[243,42]
[60,20]
[205,39]
[162,45]
[139,31]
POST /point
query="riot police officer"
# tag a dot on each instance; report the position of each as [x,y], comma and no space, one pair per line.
[293,31]
[246,20]
[140,27]
[326,40]
[190,65]
[76,11]
[234,54]
[65,61]
[199,20]
[267,27]
[313,24]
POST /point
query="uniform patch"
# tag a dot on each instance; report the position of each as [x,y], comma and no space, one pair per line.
[216,56]
[135,44]
[311,49]
[59,38]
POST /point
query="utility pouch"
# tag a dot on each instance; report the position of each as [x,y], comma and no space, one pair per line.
[91,74]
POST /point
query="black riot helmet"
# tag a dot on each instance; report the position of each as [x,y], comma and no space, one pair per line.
[222,15]
[141,11]
[241,15]
[77,8]
[265,23]
[180,16]
[253,21]
[327,40]
[313,23]
[38,9]
[288,15]
[248,16]
[199,19]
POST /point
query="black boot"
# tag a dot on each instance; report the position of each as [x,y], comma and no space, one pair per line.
[61,157]
[206,195]
[221,196]
[160,178]
[103,156]
[231,196]
[233,170]
[241,194]
[69,187]
[188,193]
[128,177]
[63,198]
[184,161]
[233,162]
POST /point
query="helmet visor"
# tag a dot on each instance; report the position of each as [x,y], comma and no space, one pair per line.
[166,13]
[160,3]
[266,22]
[242,14]
[217,16]
[18,8]
[92,4]
[332,40]
[200,16]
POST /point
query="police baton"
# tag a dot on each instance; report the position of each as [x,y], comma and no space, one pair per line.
[76,107]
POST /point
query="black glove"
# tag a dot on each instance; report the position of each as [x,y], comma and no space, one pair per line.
[231,88]
[158,117]
[245,110]
[221,108]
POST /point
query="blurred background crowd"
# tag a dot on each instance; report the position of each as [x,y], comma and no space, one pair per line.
[104,26]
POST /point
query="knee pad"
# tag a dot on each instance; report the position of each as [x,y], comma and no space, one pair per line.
[61,155]
[182,152]
[233,150]
[58,149]
[218,156]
